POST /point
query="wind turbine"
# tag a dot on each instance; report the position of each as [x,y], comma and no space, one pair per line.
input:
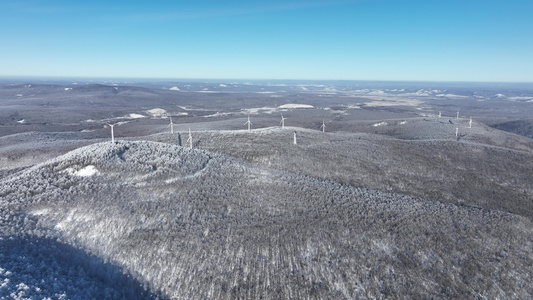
[294,141]
[440,114]
[189,139]
[282,121]
[456,132]
[171,125]
[323,127]
[248,122]
[112,132]
[457,114]
[470,123]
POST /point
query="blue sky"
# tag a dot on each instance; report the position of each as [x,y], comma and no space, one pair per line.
[431,40]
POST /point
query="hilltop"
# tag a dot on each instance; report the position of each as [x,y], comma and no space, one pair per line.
[194,223]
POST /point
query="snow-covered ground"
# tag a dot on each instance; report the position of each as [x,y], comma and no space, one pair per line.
[294,105]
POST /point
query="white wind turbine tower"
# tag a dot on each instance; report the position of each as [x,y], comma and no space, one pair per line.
[457,114]
[440,114]
[323,127]
[112,132]
[171,125]
[470,123]
[282,121]
[189,139]
[294,141]
[248,122]
[456,132]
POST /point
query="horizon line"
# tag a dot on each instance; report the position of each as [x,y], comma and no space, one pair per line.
[168,79]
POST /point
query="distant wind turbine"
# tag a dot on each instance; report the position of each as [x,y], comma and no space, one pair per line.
[456,132]
[248,122]
[294,141]
[440,114]
[470,123]
[323,127]
[282,121]
[112,132]
[457,114]
[171,125]
[189,139]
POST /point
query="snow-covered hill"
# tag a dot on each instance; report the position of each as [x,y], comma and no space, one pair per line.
[190,223]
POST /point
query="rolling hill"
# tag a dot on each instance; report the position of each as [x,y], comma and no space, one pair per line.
[192,223]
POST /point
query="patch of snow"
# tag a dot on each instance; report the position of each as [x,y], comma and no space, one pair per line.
[256,110]
[394,102]
[500,95]
[136,116]
[40,212]
[21,121]
[380,124]
[294,105]
[376,92]
[19,95]
[174,88]
[353,106]
[403,122]
[339,112]
[68,89]
[87,130]
[222,85]
[518,98]
[156,112]
[423,92]
[87,171]
[218,114]
[451,96]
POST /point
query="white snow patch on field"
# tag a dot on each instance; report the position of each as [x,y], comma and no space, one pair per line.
[222,85]
[174,88]
[21,121]
[380,124]
[451,96]
[294,105]
[520,98]
[137,116]
[353,106]
[257,110]
[68,89]
[403,122]
[156,112]
[87,171]
[40,212]
[393,102]
[218,114]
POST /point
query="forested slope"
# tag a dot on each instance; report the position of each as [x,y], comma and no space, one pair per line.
[484,168]
[189,223]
